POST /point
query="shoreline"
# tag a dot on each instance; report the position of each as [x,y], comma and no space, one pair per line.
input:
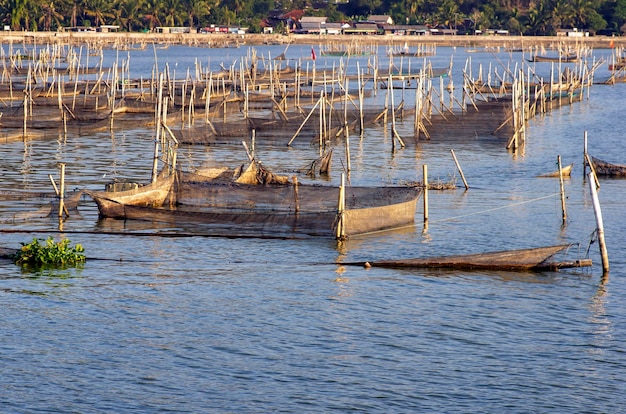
[219,40]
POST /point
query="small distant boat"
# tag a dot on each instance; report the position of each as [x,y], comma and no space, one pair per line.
[566,58]
[607,169]
[533,259]
[565,171]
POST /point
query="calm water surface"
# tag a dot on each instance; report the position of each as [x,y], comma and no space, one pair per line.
[214,324]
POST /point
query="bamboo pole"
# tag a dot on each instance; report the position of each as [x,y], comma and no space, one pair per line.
[458,166]
[562,187]
[305,120]
[425,171]
[207,102]
[394,131]
[25,113]
[585,154]
[54,185]
[593,171]
[340,231]
[295,193]
[155,160]
[345,127]
[600,226]
[62,192]
[75,87]
[361,85]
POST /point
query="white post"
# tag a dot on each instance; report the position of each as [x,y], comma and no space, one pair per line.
[599,224]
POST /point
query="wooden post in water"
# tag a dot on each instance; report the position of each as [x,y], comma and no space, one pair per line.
[592,171]
[345,127]
[361,85]
[25,114]
[600,225]
[564,210]
[425,170]
[207,102]
[159,109]
[394,131]
[585,154]
[62,191]
[340,231]
[458,166]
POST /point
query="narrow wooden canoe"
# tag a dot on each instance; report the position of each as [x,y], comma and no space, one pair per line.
[566,58]
[533,259]
[607,169]
[566,171]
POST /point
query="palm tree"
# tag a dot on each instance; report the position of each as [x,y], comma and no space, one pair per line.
[581,11]
[153,11]
[128,13]
[20,11]
[50,14]
[195,9]
[561,14]
[413,6]
[99,10]
[173,13]
[448,12]
[537,18]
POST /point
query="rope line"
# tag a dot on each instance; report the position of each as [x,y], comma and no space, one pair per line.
[413,225]
[495,208]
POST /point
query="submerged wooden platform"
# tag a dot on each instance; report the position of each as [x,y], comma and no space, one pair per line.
[533,259]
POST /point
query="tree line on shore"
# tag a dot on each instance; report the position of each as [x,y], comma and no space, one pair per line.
[525,17]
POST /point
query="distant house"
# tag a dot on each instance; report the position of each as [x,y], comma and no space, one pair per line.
[288,19]
[312,25]
[572,33]
[493,32]
[362,28]
[380,19]
[179,29]
[108,28]
[443,31]
[78,29]
[266,26]
[335,28]
[405,30]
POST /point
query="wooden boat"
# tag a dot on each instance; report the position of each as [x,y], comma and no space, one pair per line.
[268,209]
[533,259]
[562,58]
[565,171]
[607,169]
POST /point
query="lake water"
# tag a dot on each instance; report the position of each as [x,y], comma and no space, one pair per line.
[197,323]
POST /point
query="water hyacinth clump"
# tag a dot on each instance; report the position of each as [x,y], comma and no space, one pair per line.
[51,254]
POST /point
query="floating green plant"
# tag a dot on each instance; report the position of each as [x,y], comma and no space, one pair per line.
[49,255]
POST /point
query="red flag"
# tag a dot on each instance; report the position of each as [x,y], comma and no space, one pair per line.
[312,53]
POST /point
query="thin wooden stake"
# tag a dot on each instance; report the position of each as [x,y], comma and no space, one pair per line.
[585,154]
[458,166]
[340,231]
[564,210]
[425,170]
[62,192]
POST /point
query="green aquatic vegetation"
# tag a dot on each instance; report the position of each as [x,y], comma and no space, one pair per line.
[51,254]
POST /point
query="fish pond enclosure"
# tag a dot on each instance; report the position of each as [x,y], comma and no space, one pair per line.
[168,313]
[284,101]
